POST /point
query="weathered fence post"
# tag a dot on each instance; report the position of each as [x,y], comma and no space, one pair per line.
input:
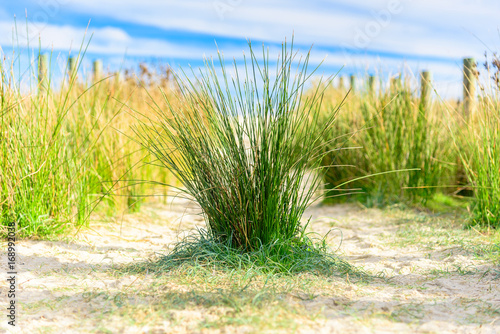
[425,87]
[353,82]
[42,73]
[470,75]
[393,85]
[71,67]
[97,70]
[371,85]
[469,95]
[341,83]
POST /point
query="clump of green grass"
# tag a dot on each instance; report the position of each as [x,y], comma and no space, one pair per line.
[234,146]
[443,203]
[478,144]
[46,180]
[396,139]
[63,154]
[303,255]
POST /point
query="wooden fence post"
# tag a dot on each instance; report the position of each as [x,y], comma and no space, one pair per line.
[470,75]
[393,85]
[71,67]
[371,85]
[97,70]
[425,87]
[341,83]
[42,73]
[469,95]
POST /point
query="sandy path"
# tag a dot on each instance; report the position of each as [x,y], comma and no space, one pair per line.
[62,284]
[426,292]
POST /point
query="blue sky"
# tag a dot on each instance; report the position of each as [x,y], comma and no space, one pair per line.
[376,36]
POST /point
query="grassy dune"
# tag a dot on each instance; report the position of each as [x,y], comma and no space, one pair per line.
[68,152]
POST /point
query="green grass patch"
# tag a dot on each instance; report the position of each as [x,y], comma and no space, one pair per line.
[441,232]
[398,150]
[442,203]
[243,148]
[300,255]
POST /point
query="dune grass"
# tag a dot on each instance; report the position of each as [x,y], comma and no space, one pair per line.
[66,150]
[394,130]
[479,151]
[390,130]
[46,180]
[312,256]
[243,146]
[236,147]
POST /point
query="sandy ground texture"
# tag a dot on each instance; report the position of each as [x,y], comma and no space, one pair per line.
[431,285]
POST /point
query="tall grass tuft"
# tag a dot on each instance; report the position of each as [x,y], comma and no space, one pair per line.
[66,151]
[396,139]
[46,180]
[234,146]
[478,143]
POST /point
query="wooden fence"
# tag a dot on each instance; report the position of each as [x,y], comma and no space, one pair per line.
[469,80]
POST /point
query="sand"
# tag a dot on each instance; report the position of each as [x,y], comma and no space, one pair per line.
[64,286]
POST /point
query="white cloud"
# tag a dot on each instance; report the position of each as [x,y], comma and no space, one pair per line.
[427,29]
[443,28]
[107,40]
[114,41]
